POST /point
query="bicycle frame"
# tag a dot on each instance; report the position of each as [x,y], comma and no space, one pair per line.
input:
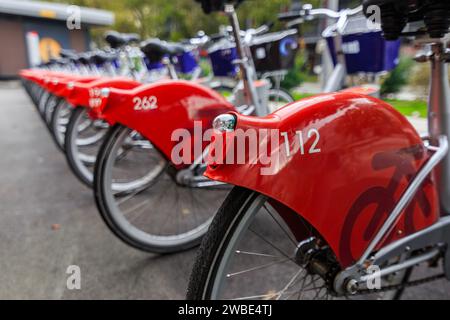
[337,77]
[336,80]
[247,68]
[439,114]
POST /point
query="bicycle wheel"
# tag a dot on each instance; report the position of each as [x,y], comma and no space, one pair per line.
[50,107]
[43,102]
[251,253]
[139,198]
[34,91]
[278,98]
[59,122]
[82,142]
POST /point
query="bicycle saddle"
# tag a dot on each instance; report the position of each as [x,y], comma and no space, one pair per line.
[46,64]
[62,61]
[209,6]
[67,54]
[396,14]
[52,61]
[101,57]
[116,40]
[84,58]
[155,49]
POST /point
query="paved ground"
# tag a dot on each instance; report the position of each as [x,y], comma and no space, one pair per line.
[38,192]
[419,123]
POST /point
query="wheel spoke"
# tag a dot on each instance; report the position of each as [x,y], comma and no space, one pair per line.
[256,254]
[281,227]
[271,244]
[267,265]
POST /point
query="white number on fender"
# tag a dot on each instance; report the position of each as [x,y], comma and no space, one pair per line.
[313,134]
[145,103]
[95,99]
[95,102]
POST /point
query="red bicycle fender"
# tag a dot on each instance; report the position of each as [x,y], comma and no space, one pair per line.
[172,105]
[357,155]
[88,94]
[369,90]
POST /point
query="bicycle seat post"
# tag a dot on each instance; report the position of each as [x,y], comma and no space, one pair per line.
[248,77]
[439,112]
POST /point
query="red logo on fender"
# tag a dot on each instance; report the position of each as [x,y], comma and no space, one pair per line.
[383,198]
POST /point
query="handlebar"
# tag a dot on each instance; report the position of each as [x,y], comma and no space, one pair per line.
[307,12]
[260,31]
[227,33]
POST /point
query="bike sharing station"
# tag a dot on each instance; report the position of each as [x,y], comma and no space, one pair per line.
[270,195]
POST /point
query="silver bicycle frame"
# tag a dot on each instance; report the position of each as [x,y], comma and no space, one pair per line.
[337,77]
[439,114]
[439,153]
[439,131]
[246,65]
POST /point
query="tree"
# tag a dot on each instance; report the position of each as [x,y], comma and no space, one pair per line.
[177,19]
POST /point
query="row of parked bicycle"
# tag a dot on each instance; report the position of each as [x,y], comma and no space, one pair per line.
[294,233]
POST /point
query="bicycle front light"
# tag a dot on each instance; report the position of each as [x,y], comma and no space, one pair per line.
[105,92]
[225,123]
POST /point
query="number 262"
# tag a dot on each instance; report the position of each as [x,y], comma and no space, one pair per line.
[145,103]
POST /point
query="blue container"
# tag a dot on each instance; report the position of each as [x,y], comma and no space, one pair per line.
[116,64]
[365,50]
[187,62]
[369,53]
[222,57]
[153,66]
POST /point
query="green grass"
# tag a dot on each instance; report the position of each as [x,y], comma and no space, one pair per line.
[407,108]
[298,96]
[410,108]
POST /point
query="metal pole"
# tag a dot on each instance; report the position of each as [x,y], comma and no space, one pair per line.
[327,62]
[439,115]
[251,97]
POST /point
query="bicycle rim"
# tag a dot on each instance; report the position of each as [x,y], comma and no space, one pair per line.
[83,141]
[60,120]
[277,99]
[143,204]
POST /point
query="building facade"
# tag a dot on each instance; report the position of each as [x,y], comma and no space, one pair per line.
[34,31]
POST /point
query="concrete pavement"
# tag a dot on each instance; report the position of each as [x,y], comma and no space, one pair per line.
[48,221]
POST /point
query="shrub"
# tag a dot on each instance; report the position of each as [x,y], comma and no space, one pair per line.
[398,77]
[296,76]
